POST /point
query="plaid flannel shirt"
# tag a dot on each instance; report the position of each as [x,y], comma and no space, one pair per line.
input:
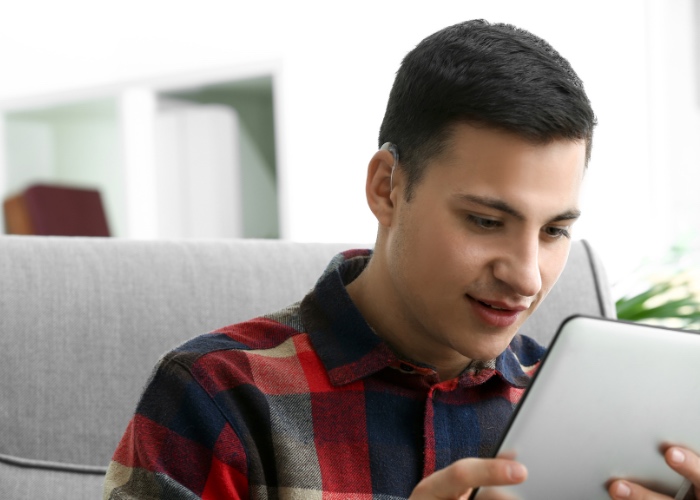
[309,403]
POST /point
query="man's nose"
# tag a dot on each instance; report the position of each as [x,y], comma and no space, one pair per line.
[519,266]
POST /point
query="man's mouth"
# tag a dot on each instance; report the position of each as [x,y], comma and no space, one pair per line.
[501,305]
[496,313]
[492,306]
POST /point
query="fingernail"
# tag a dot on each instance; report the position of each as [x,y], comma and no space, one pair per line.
[677,456]
[517,472]
[622,490]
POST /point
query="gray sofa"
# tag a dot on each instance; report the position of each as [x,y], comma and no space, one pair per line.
[84,320]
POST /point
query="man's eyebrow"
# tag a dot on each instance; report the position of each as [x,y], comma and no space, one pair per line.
[504,207]
[568,215]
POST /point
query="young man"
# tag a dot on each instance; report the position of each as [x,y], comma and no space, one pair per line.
[396,375]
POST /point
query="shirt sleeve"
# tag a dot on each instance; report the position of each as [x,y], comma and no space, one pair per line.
[178,445]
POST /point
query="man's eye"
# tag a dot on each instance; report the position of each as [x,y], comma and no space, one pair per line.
[483,222]
[557,232]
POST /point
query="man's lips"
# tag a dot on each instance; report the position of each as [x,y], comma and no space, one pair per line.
[501,305]
[496,313]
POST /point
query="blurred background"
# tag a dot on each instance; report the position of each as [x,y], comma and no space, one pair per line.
[215,118]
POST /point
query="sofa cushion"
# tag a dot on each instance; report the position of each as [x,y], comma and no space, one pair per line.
[84,320]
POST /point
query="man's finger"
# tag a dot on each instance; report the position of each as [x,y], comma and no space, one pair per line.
[686,463]
[683,461]
[625,490]
[462,476]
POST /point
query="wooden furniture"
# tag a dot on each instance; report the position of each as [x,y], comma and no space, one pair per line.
[56,211]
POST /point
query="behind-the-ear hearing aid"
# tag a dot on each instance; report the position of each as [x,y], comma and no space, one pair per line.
[391,147]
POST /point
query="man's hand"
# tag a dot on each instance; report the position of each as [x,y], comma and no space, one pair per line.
[456,481]
[683,461]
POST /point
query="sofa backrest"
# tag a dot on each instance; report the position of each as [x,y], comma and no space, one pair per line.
[84,320]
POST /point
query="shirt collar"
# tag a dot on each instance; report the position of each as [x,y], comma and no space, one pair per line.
[347,346]
[515,365]
[350,350]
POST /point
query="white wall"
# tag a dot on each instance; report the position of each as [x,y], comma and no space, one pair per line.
[336,64]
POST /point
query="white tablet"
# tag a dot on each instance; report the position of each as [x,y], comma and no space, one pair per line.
[608,396]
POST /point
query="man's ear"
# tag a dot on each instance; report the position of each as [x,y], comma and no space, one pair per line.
[381,192]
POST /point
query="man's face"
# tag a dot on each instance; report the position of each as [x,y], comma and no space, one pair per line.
[481,242]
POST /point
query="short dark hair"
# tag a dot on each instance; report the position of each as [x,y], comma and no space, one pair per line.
[495,75]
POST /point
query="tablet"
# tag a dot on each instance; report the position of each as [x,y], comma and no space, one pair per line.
[608,396]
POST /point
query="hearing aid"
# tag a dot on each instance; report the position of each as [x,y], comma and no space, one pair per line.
[388,146]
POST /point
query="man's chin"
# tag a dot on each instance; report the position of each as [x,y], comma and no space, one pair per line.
[490,350]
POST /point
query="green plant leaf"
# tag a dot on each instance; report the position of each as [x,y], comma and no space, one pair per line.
[684,309]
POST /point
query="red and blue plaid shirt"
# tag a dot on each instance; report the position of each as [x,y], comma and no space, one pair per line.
[309,403]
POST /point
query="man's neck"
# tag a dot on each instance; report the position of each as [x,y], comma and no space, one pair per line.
[372,294]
